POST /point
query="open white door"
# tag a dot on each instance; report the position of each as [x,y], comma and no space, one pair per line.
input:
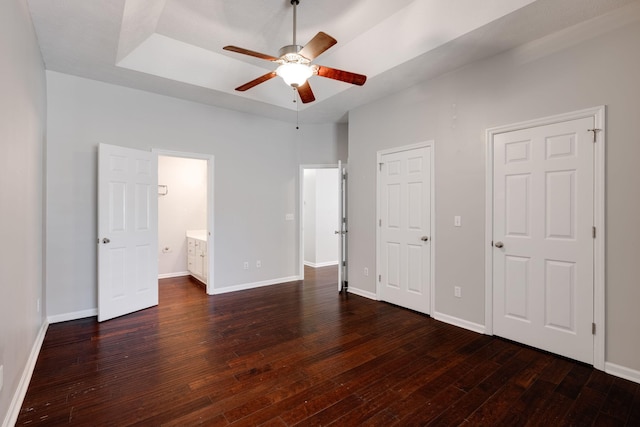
[127,231]
[342,227]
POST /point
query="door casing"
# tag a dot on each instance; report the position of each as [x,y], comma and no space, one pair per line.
[598,114]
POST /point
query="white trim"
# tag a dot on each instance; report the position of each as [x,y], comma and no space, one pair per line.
[461,323]
[302,262]
[246,286]
[598,114]
[365,294]
[20,393]
[431,144]
[599,297]
[210,158]
[72,316]
[320,264]
[622,372]
[172,275]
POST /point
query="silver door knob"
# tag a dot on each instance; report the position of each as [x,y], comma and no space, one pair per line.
[105,240]
[424,238]
[336,232]
[498,244]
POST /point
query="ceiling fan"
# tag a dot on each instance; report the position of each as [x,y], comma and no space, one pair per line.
[295,64]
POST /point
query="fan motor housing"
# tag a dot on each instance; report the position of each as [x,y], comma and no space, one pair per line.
[290,54]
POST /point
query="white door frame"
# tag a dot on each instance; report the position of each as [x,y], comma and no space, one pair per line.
[598,113]
[432,237]
[210,204]
[301,211]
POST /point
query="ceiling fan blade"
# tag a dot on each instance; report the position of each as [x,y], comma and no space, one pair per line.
[306,94]
[343,76]
[250,53]
[317,45]
[256,82]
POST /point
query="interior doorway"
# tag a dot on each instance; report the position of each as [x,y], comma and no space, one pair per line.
[185,216]
[321,201]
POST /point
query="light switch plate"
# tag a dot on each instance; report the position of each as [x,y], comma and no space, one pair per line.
[457,221]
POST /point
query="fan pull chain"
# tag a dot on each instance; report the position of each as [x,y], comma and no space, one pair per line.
[295,100]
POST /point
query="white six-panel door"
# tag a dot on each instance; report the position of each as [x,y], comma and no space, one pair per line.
[543,255]
[405,228]
[127,231]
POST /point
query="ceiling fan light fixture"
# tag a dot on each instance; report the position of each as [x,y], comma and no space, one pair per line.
[294,74]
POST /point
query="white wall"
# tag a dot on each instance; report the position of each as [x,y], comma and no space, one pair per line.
[326,216]
[309,224]
[183,208]
[581,68]
[22,138]
[256,179]
[321,217]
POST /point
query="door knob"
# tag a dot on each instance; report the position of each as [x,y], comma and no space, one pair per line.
[499,244]
[105,240]
[336,232]
[424,238]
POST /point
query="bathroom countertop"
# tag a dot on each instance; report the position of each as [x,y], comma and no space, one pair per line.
[197,234]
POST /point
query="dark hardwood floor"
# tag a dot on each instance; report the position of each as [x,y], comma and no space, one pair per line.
[300,353]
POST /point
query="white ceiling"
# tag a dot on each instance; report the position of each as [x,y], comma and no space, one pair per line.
[174,47]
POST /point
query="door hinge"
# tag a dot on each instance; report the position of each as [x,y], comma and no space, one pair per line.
[344,263]
[594,232]
[380,166]
[593,329]
[379,277]
[595,132]
[379,223]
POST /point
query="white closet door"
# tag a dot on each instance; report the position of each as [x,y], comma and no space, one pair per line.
[405,228]
[543,244]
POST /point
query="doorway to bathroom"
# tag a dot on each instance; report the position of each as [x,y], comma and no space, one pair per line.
[185,216]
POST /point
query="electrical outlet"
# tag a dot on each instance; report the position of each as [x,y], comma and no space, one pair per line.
[258,264]
[246,265]
[457,292]
[1,376]
[366,271]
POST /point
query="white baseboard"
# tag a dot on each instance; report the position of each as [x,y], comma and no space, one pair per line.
[365,294]
[172,275]
[320,264]
[245,286]
[622,372]
[18,397]
[72,316]
[455,321]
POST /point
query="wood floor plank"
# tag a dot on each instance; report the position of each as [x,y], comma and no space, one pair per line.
[299,353]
